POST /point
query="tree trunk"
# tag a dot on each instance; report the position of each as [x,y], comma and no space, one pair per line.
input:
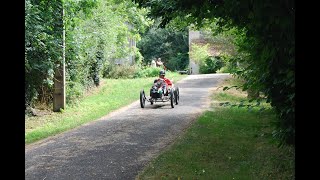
[59,93]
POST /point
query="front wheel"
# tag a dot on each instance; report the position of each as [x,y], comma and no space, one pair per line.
[172,98]
[142,99]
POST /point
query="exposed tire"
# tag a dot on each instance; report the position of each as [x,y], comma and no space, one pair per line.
[172,98]
[151,101]
[142,99]
[176,95]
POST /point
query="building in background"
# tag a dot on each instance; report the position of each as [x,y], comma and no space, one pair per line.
[217,46]
[193,67]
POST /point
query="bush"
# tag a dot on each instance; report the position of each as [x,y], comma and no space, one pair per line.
[211,65]
[147,72]
[129,71]
[230,64]
[138,58]
[120,71]
[74,92]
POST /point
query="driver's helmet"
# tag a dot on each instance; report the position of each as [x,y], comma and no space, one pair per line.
[162,72]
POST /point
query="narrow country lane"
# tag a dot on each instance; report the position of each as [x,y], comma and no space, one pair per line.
[120,144]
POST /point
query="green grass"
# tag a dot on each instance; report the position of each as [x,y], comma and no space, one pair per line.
[227,97]
[225,143]
[112,95]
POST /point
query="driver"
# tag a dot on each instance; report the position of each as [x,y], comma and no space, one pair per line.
[167,82]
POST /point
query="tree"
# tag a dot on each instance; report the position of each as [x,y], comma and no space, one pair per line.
[96,34]
[267,40]
[167,43]
[43,42]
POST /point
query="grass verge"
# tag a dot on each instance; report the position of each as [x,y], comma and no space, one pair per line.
[226,143]
[113,94]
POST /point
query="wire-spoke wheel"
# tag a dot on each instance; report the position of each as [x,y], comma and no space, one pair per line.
[172,98]
[176,95]
[142,99]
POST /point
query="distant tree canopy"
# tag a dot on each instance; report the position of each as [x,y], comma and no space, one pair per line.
[266,38]
[168,44]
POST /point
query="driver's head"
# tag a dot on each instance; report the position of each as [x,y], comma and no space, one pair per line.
[162,73]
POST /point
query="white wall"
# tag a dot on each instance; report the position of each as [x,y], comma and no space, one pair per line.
[193,35]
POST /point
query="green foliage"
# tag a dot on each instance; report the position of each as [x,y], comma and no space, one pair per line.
[128,71]
[120,71]
[138,58]
[221,41]
[199,52]
[207,63]
[74,92]
[211,65]
[101,38]
[97,33]
[265,39]
[168,44]
[147,72]
[231,64]
[43,40]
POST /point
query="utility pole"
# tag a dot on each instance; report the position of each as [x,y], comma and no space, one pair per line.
[59,94]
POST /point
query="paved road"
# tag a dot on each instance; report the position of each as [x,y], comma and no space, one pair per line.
[120,144]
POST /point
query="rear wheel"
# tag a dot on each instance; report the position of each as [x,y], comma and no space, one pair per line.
[172,98]
[142,99]
[176,95]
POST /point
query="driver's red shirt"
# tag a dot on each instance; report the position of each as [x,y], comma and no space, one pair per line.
[169,83]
